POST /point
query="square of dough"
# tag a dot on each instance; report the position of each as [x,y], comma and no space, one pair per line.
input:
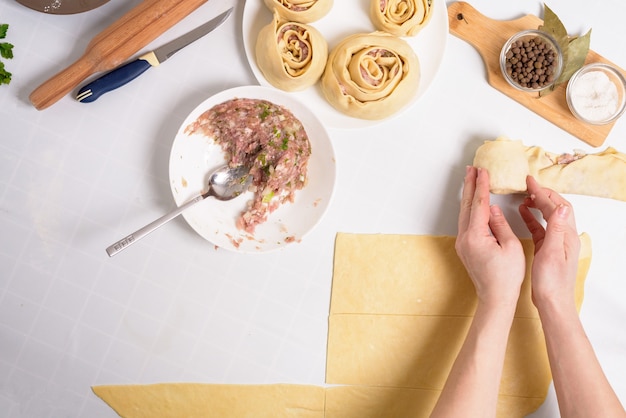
[409,275]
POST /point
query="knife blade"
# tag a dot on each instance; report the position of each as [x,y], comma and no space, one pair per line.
[128,72]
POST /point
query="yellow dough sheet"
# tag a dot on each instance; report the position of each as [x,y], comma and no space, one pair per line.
[196,400]
[380,402]
[401,306]
[418,352]
[413,275]
[400,310]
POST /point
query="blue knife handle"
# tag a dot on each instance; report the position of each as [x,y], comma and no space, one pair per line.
[112,80]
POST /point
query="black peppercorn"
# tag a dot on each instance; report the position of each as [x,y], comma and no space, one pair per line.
[531,62]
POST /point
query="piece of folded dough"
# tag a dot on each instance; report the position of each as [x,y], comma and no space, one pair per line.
[401,17]
[371,76]
[291,55]
[303,11]
[509,162]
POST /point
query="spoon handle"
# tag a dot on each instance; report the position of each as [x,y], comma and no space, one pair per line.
[152,226]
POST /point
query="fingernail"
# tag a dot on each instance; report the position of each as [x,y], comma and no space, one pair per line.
[467,169]
[495,210]
[563,211]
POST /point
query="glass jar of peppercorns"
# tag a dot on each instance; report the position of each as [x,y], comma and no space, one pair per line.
[531,60]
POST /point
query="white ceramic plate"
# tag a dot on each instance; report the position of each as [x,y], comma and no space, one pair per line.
[348,17]
[194,157]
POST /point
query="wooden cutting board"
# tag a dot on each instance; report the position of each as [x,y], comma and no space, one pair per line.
[114,45]
[488,36]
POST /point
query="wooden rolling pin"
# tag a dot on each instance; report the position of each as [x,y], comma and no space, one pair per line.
[114,45]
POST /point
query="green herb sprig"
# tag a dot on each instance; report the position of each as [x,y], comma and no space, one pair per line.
[574,48]
[6,51]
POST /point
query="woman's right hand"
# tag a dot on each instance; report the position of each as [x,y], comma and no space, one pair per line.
[487,246]
[557,247]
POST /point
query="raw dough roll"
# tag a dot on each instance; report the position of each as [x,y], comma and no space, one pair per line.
[371,76]
[401,17]
[303,11]
[509,162]
[292,56]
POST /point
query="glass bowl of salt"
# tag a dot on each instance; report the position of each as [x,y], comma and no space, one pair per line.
[596,94]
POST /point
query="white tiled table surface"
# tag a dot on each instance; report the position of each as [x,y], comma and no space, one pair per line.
[74,178]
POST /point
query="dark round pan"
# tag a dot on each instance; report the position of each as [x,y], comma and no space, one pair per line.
[62,7]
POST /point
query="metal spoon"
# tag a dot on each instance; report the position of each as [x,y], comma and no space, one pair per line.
[225,183]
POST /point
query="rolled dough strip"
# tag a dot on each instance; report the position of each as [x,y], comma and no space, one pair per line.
[509,162]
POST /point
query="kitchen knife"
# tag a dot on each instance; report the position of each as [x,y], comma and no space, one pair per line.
[127,72]
[119,41]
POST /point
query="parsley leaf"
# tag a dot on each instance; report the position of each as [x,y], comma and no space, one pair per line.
[5,76]
[6,51]
[265,111]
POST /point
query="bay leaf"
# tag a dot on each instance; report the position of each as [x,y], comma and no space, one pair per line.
[577,51]
[574,49]
[553,25]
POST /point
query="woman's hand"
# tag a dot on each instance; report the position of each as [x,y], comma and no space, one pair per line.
[581,386]
[486,244]
[494,259]
[556,247]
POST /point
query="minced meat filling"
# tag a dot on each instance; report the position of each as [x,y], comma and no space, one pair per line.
[270,140]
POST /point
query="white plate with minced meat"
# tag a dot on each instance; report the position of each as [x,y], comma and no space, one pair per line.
[291,159]
[348,17]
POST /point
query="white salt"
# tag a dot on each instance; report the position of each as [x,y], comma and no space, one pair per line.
[594,96]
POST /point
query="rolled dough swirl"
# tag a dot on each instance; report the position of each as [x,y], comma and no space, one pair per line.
[292,56]
[303,11]
[400,17]
[371,76]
